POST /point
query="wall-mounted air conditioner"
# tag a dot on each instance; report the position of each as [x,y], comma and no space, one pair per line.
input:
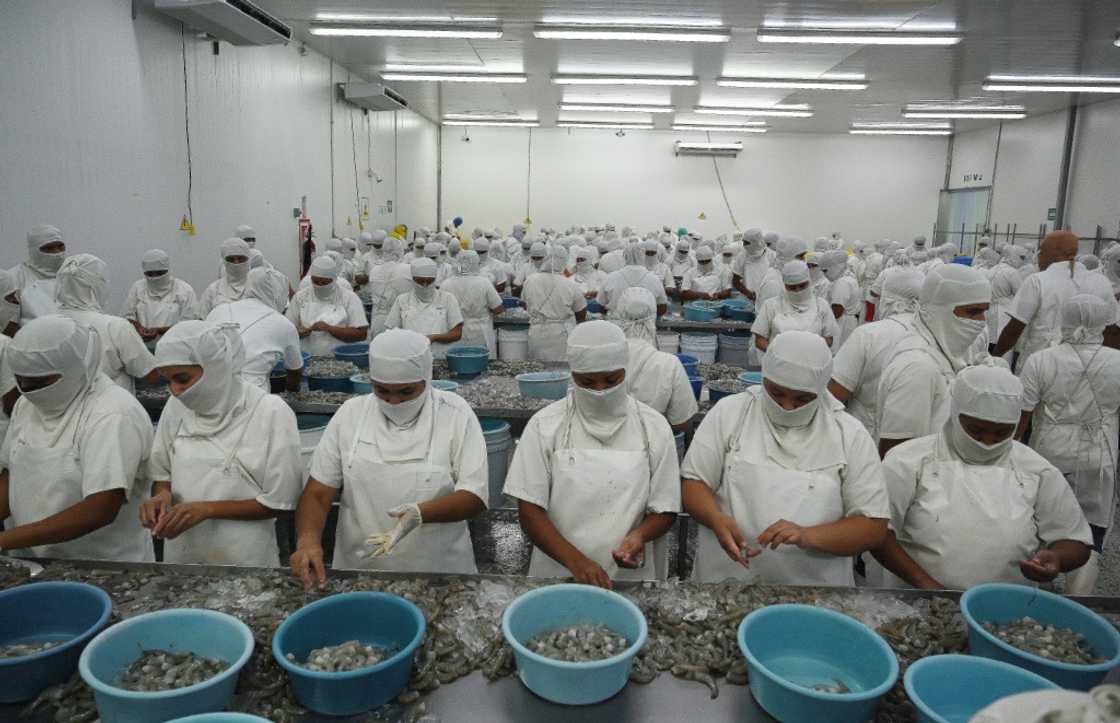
[687,148]
[373,96]
[236,21]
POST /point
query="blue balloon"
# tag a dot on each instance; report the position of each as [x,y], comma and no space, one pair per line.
[457,221]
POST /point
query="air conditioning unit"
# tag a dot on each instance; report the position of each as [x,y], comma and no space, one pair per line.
[688,148]
[235,21]
[373,96]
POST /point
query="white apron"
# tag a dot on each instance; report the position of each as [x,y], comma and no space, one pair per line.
[260,379]
[479,331]
[427,319]
[548,339]
[201,472]
[758,493]
[706,284]
[320,343]
[156,313]
[598,496]
[372,487]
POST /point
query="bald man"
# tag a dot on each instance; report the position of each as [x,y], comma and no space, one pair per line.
[1036,311]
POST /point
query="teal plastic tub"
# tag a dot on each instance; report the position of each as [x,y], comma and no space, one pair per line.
[953,688]
[361,384]
[468,361]
[701,311]
[445,385]
[357,354]
[543,385]
[792,648]
[373,618]
[330,384]
[750,379]
[558,606]
[203,632]
[1001,603]
[69,613]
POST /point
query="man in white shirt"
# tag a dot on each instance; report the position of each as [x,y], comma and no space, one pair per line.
[634,273]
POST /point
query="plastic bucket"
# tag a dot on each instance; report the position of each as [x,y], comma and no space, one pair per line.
[690,363]
[951,688]
[750,379]
[445,385]
[330,384]
[498,443]
[543,385]
[700,311]
[697,384]
[513,344]
[701,346]
[669,343]
[361,384]
[734,348]
[311,428]
[70,613]
[467,361]
[356,354]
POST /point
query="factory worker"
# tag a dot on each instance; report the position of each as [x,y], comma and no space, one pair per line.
[1035,314]
[438,253]
[771,239]
[225,460]
[518,231]
[478,301]
[634,273]
[986,259]
[859,363]
[326,314]
[365,246]
[387,281]
[704,281]
[427,310]
[1110,259]
[350,250]
[796,309]
[790,249]
[80,292]
[821,244]
[588,278]
[555,305]
[231,285]
[970,505]
[595,474]
[651,259]
[655,377]
[411,462]
[612,254]
[9,325]
[36,276]
[1090,262]
[268,337]
[682,261]
[158,301]
[844,295]
[247,234]
[537,253]
[76,454]
[818,282]
[985,242]
[919,246]
[785,485]
[726,263]
[1005,280]
[751,265]
[913,397]
[490,266]
[374,244]
[1072,394]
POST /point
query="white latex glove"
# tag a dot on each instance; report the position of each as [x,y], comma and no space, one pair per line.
[408,519]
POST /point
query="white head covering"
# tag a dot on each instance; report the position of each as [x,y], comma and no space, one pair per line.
[365,240]
[81,283]
[946,287]
[256,259]
[990,393]
[538,250]
[9,312]
[789,249]
[834,264]
[1015,255]
[56,345]
[822,244]
[234,247]
[217,348]
[919,242]
[946,252]
[1084,318]
[987,258]
[481,246]
[901,287]
[37,238]
[269,286]
[637,314]
[802,362]
[1089,261]
[432,250]
[324,267]
[795,272]
[155,260]
[403,430]
[332,244]
[378,234]
[349,248]
[423,268]
[469,263]
[393,248]
[400,356]
[599,346]
[557,260]
[245,232]
[704,255]
[235,272]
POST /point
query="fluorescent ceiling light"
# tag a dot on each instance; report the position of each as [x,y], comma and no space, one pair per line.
[422,68]
[664,34]
[964,106]
[1116,42]
[875,125]
[503,123]
[794,83]
[964,114]
[898,132]
[406,31]
[458,77]
[618,107]
[842,36]
[661,22]
[366,18]
[763,112]
[1051,84]
[611,126]
[486,116]
[760,128]
[625,80]
[732,146]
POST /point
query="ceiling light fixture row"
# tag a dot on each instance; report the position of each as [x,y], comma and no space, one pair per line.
[620,126]
[855,36]
[950,111]
[672,34]
[617,107]
[1051,84]
[795,83]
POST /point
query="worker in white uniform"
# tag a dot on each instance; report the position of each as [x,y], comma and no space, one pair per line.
[1036,311]
[651,259]
[970,505]
[595,474]
[387,280]
[1005,279]
[588,278]
[633,273]
[817,280]
[859,363]
[681,262]
[326,314]
[490,266]
[437,252]
[1110,260]
[9,325]
[45,252]
[705,281]
[231,286]
[268,337]
[751,265]
[246,234]
[427,310]
[80,291]
[537,254]
[555,305]
[785,485]
[796,309]
[478,301]
[919,246]
[1072,393]
[225,460]
[76,454]
[913,396]
[411,462]
[158,301]
[844,295]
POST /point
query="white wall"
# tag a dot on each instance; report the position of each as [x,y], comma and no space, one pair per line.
[93,141]
[798,184]
[974,157]
[1094,190]
[1030,160]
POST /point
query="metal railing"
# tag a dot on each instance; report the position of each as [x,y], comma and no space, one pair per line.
[966,239]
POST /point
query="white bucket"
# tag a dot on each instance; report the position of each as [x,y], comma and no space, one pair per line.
[309,436]
[668,343]
[513,344]
[701,346]
[499,440]
[735,350]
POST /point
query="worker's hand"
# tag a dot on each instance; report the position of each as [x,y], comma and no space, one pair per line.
[321,326]
[588,572]
[783,532]
[181,518]
[307,564]
[1043,567]
[733,541]
[631,552]
[152,510]
[748,293]
[303,331]
[725,294]
[408,519]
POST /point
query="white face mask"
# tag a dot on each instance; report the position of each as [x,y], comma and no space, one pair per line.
[834,273]
[682,255]
[53,399]
[804,296]
[9,312]
[202,396]
[404,412]
[650,262]
[705,267]
[537,262]
[955,334]
[583,266]
[972,450]
[324,292]
[252,242]
[49,263]
[728,259]
[779,416]
[815,273]
[237,273]
[375,251]
[603,410]
[159,284]
[424,293]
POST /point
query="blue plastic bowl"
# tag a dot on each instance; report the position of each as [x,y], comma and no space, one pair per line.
[697,386]
[963,260]
[361,384]
[593,307]
[558,606]
[203,632]
[305,422]
[356,354]
[42,612]
[750,379]
[445,385]
[690,363]
[511,302]
[330,384]
[790,648]
[738,315]
[280,369]
[224,717]
[953,688]
[699,311]
[466,361]
[714,395]
[374,618]
[543,385]
[1001,603]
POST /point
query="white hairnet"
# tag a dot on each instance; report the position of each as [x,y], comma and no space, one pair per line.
[798,360]
[991,393]
[378,235]
[902,285]
[324,267]
[217,348]
[557,260]
[538,250]
[56,345]
[919,241]
[400,356]
[256,259]
[155,260]
[790,248]
[795,272]
[637,314]
[834,264]
[951,285]
[469,263]
[753,235]
[481,246]
[81,283]
[365,238]
[1089,261]
[597,346]
[234,247]
[245,232]
[423,268]
[269,286]
[42,235]
[333,244]
[704,254]
[349,247]
[432,250]
[1084,318]
[393,249]
[821,244]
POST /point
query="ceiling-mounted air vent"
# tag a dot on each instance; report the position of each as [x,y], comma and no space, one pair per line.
[236,21]
[373,96]
[686,148]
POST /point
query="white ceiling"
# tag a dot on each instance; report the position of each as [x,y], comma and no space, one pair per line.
[1054,37]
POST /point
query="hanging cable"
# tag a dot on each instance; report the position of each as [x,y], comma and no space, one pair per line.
[354,158]
[187,125]
[529,174]
[721,189]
